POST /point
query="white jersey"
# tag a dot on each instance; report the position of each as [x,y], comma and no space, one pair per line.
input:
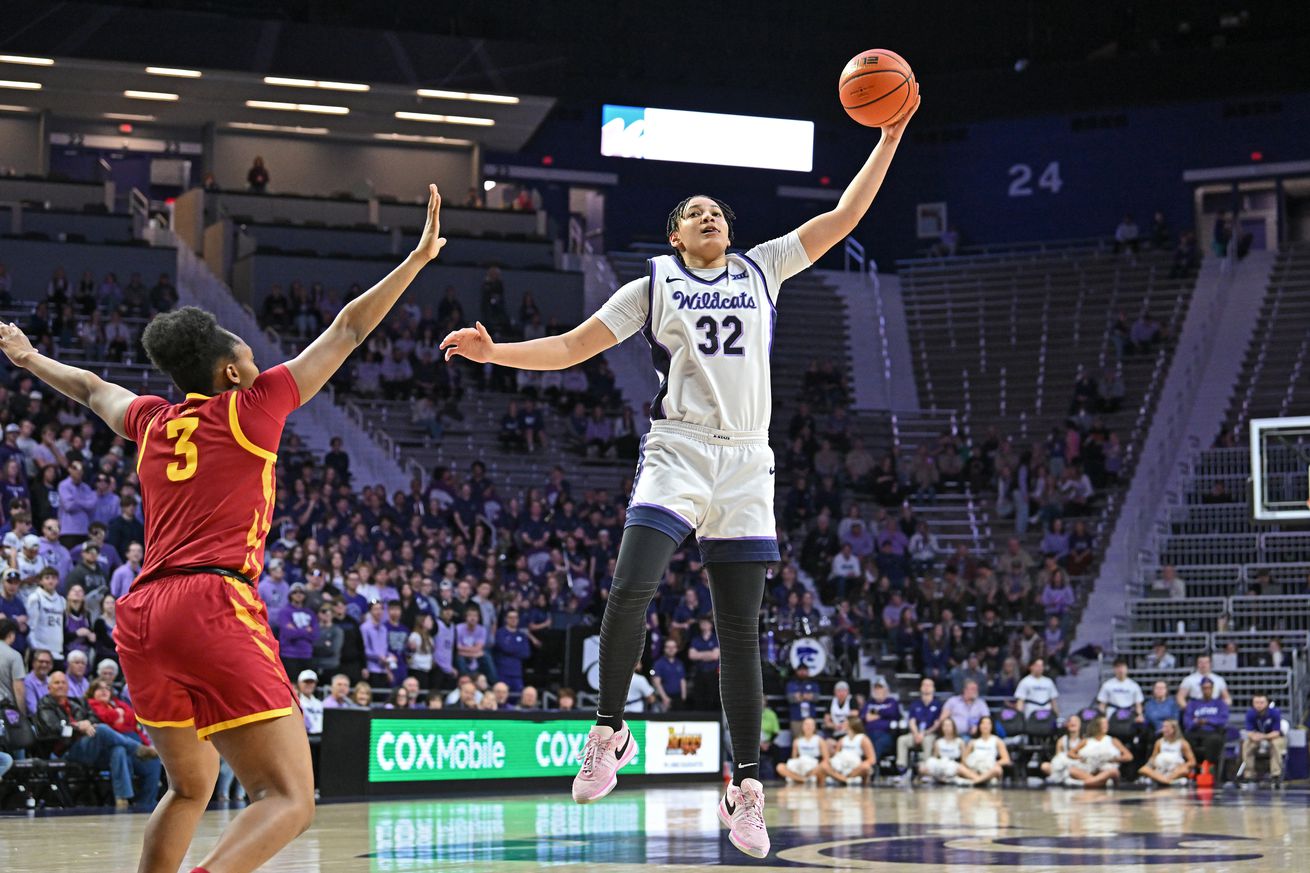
[948,749]
[1120,694]
[1036,693]
[810,747]
[1170,756]
[710,333]
[840,712]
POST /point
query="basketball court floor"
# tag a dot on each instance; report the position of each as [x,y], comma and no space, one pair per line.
[675,829]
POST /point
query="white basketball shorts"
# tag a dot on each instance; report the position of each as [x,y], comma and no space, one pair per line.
[716,484]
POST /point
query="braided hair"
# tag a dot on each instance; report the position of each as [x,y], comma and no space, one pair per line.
[676,216]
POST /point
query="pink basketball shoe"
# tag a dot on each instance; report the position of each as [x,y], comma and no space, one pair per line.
[742,812]
[602,758]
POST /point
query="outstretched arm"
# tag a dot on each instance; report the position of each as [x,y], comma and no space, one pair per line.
[824,231]
[324,356]
[105,399]
[547,353]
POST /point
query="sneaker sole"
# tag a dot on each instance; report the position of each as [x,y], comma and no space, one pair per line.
[614,780]
[726,821]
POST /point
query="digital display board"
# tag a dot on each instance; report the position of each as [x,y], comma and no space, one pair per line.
[706,138]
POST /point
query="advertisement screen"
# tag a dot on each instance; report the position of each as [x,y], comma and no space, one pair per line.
[415,750]
[706,138]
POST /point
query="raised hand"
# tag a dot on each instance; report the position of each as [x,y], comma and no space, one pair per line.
[15,344]
[473,343]
[896,129]
[431,242]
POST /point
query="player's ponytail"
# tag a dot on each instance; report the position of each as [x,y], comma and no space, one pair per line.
[189,346]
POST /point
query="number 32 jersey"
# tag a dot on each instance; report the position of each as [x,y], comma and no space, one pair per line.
[207,469]
[710,333]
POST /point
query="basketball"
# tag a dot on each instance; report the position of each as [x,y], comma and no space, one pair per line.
[875,87]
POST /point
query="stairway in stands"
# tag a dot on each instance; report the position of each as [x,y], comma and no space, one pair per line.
[1001,338]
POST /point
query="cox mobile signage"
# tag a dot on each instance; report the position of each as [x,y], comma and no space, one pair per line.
[416,750]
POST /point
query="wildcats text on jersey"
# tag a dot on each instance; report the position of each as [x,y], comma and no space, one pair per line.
[714,300]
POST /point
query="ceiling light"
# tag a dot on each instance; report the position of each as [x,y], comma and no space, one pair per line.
[290,83]
[414,137]
[20,86]
[343,86]
[162,96]
[323,110]
[298,107]
[287,82]
[23,59]
[174,72]
[466,95]
[128,116]
[278,128]
[445,119]
[8,107]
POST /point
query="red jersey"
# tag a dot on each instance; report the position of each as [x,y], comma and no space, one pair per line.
[207,471]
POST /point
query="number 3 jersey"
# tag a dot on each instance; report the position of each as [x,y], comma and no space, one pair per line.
[710,333]
[207,472]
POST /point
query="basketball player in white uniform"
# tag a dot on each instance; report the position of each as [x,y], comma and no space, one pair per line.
[705,467]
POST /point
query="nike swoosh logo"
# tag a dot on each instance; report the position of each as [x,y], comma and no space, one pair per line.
[673,279]
[770,471]
[618,753]
[729,805]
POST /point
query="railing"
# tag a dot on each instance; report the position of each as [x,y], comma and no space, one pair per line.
[138,205]
[853,253]
[198,286]
[1261,614]
[1281,684]
[1168,434]
[996,251]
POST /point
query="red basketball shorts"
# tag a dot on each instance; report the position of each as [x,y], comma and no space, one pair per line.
[197,651]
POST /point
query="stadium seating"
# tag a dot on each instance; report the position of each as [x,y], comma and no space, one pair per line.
[1001,338]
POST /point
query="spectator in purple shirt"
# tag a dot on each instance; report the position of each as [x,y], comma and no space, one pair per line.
[1264,727]
[297,627]
[125,575]
[1206,723]
[925,717]
[880,715]
[599,435]
[513,649]
[339,694]
[891,613]
[704,650]
[893,535]
[11,606]
[397,643]
[107,503]
[273,587]
[373,630]
[966,709]
[471,653]
[671,678]
[1057,597]
[36,683]
[77,500]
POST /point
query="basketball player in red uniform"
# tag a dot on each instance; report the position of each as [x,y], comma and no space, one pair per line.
[193,635]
